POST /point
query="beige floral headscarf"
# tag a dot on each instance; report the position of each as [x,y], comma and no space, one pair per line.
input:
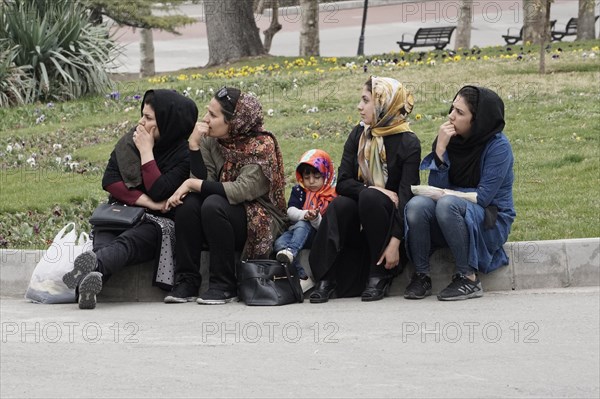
[393,103]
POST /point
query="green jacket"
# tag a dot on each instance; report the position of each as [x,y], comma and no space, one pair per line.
[250,185]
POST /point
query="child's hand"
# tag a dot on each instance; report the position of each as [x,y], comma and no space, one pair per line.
[311,214]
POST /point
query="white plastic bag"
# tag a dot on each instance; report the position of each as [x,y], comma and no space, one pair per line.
[46,285]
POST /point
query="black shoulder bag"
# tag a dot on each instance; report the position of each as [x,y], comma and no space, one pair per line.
[266,282]
[117,217]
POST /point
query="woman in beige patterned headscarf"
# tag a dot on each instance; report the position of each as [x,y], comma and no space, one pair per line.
[357,249]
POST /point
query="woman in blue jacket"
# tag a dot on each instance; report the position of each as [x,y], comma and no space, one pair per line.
[470,154]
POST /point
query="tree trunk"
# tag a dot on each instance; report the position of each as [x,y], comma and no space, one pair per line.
[231,31]
[534,21]
[309,33]
[259,6]
[463,31]
[274,27]
[544,32]
[146,53]
[586,23]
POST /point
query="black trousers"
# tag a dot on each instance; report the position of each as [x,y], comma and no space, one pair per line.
[115,251]
[212,224]
[344,252]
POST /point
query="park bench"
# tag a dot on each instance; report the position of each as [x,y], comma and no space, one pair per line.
[513,39]
[439,37]
[570,30]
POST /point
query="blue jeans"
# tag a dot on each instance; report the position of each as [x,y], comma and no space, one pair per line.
[297,237]
[434,225]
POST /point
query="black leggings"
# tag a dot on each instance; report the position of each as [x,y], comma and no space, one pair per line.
[343,252]
[137,245]
[210,223]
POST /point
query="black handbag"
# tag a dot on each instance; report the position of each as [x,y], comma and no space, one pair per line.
[116,217]
[266,282]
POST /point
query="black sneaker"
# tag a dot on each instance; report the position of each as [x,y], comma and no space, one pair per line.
[216,297]
[419,286]
[90,286]
[461,288]
[83,265]
[182,292]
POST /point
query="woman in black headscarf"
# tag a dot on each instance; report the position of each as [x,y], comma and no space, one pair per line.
[470,154]
[146,167]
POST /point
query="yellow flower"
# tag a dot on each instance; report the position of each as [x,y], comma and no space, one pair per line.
[418,116]
[315,135]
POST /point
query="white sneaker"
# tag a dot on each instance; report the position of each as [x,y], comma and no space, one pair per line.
[285,256]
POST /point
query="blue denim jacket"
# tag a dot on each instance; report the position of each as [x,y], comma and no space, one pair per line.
[495,188]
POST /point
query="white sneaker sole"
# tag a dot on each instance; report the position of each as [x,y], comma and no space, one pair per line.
[174,299]
[284,256]
[201,301]
[472,295]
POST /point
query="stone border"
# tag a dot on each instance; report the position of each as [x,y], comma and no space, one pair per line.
[533,265]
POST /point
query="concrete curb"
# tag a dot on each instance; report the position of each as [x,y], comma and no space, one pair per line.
[533,265]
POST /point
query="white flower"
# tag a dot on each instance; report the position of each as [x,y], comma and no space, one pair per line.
[31,161]
[40,119]
[270,112]
[58,160]
[128,109]
[17,147]
[303,106]
[67,158]
[241,83]
[9,148]
[186,93]
[210,90]
[592,55]
[73,165]
[56,147]
[189,88]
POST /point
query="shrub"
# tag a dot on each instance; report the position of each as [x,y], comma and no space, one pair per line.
[67,55]
[16,85]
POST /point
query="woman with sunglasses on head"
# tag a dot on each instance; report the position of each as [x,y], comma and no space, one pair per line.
[357,250]
[234,200]
[470,154]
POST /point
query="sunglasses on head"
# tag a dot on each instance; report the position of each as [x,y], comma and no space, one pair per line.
[224,94]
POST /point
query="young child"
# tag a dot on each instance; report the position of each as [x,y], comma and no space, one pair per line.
[308,201]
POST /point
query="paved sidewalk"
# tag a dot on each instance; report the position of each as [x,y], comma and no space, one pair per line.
[511,344]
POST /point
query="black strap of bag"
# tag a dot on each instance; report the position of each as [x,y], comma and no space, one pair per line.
[296,289]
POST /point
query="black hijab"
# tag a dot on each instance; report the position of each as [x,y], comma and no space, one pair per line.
[176,116]
[465,152]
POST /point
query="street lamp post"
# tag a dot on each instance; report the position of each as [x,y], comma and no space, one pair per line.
[361,40]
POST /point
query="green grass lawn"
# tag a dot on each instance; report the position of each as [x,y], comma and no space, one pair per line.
[51,166]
